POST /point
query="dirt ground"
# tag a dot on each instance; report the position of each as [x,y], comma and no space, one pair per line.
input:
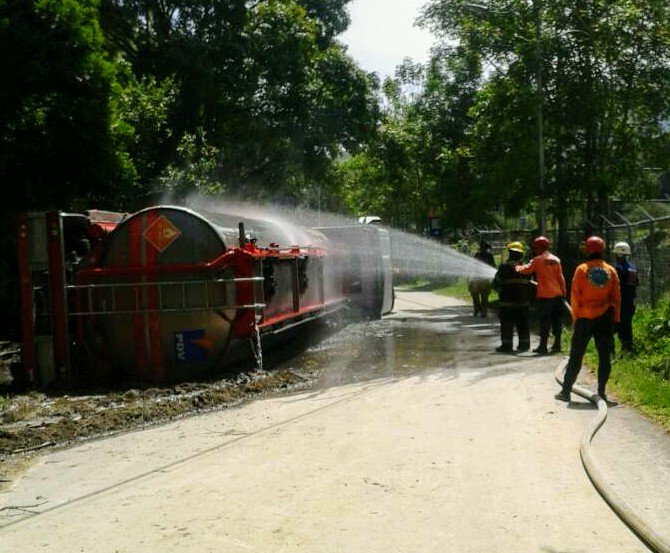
[31,421]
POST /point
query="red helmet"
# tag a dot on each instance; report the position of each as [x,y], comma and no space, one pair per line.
[594,244]
[541,244]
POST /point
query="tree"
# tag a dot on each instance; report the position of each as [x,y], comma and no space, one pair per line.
[57,139]
[264,83]
[57,94]
[386,178]
[331,14]
[598,72]
[110,103]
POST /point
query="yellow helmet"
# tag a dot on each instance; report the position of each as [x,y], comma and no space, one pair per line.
[515,247]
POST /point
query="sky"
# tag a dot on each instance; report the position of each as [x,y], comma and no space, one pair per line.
[382,34]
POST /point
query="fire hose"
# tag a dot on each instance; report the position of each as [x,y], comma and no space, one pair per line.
[639,527]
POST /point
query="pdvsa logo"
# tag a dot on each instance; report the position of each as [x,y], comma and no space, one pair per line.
[180,347]
[598,277]
[191,346]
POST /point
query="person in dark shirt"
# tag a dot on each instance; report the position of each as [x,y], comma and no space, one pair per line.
[628,281]
[515,293]
[480,288]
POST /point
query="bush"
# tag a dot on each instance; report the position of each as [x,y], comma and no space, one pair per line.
[652,337]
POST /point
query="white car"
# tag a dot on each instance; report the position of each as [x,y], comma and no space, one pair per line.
[370,220]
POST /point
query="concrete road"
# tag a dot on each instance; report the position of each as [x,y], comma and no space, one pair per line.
[476,458]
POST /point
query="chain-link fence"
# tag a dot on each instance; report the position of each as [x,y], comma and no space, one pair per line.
[650,252]
[648,235]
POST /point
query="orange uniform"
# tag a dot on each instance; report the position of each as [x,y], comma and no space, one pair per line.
[595,288]
[550,279]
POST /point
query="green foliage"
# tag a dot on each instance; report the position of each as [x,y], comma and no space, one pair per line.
[652,337]
[113,103]
[359,176]
[267,84]
[458,288]
[331,15]
[646,390]
[386,179]
[389,176]
[194,171]
[104,97]
[657,322]
[143,128]
[56,139]
[643,378]
[58,146]
[586,86]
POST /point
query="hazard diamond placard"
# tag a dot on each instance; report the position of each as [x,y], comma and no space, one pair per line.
[161,233]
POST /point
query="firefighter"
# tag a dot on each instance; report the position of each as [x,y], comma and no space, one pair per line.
[628,280]
[596,301]
[480,288]
[514,292]
[551,292]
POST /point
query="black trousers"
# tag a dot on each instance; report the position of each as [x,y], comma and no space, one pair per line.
[601,330]
[551,317]
[625,326]
[514,318]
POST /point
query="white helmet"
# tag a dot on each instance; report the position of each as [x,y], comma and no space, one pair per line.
[621,249]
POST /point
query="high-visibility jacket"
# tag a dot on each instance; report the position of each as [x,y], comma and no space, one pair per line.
[514,290]
[549,273]
[595,288]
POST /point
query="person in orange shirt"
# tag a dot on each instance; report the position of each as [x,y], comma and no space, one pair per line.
[551,292]
[595,297]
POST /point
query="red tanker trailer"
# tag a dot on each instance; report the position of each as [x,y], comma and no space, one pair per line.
[168,293]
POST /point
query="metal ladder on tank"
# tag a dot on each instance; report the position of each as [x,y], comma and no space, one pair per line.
[141,290]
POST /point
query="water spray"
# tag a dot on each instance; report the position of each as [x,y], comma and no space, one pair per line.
[412,256]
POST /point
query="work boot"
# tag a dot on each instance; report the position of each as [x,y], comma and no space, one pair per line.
[608,401]
[542,348]
[521,348]
[563,396]
[504,349]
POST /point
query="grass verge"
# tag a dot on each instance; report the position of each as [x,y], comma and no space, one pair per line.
[455,288]
[642,379]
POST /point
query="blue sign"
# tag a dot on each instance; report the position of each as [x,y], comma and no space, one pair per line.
[188,348]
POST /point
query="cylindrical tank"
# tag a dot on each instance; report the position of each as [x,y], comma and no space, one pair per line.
[154,307]
[164,295]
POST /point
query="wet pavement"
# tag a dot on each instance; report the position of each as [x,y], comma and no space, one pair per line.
[415,339]
[416,436]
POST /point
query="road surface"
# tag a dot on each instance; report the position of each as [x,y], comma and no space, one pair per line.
[471,456]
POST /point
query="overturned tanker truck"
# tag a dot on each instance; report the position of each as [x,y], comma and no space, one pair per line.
[169,293]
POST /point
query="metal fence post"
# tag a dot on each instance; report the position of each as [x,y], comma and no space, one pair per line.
[609,229]
[652,257]
[652,262]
